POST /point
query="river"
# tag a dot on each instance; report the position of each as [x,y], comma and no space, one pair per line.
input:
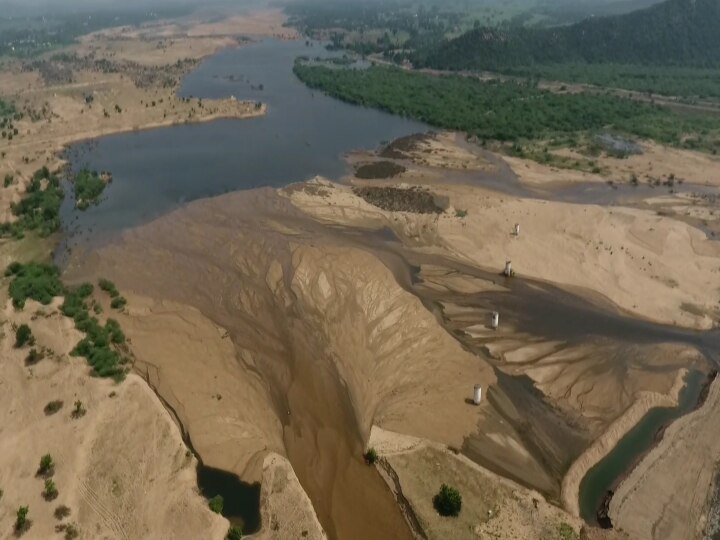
[304,134]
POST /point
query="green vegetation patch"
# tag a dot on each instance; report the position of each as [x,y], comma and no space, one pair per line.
[39,210]
[507,110]
[216,504]
[40,282]
[103,345]
[670,33]
[448,501]
[89,186]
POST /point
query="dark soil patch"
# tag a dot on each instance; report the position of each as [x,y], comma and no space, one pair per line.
[400,200]
[379,169]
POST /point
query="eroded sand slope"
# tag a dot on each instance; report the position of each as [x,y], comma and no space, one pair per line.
[122,468]
[320,342]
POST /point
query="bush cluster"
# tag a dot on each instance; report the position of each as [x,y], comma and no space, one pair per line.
[39,209]
[40,282]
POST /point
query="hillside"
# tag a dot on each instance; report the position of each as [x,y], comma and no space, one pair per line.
[675,32]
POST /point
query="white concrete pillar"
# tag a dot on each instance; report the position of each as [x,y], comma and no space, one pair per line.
[508,268]
[495,320]
[477,394]
[517,229]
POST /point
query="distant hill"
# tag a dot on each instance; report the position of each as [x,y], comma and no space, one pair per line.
[674,32]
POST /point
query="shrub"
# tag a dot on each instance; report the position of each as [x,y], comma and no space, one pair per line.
[371,456]
[216,504]
[53,406]
[234,533]
[71,532]
[118,302]
[51,491]
[33,357]
[61,512]
[47,466]
[566,532]
[109,287]
[22,523]
[79,411]
[23,336]
[448,501]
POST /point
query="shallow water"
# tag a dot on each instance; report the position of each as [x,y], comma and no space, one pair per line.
[603,477]
[241,501]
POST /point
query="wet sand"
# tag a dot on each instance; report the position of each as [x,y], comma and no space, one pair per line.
[311,322]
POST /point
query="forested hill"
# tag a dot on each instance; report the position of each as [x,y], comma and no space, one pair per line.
[675,32]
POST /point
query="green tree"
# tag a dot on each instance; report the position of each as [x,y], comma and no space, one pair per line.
[216,504]
[234,533]
[23,336]
[448,501]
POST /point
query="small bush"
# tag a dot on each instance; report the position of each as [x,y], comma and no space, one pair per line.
[216,504]
[71,532]
[22,523]
[61,512]
[79,410]
[47,466]
[234,533]
[23,336]
[53,406]
[51,491]
[118,302]
[33,357]
[109,287]
[371,456]
[448,501]
[566,532]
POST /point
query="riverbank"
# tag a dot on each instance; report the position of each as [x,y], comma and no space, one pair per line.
[149,492]
[113,81]
[608,440]
[668,494]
